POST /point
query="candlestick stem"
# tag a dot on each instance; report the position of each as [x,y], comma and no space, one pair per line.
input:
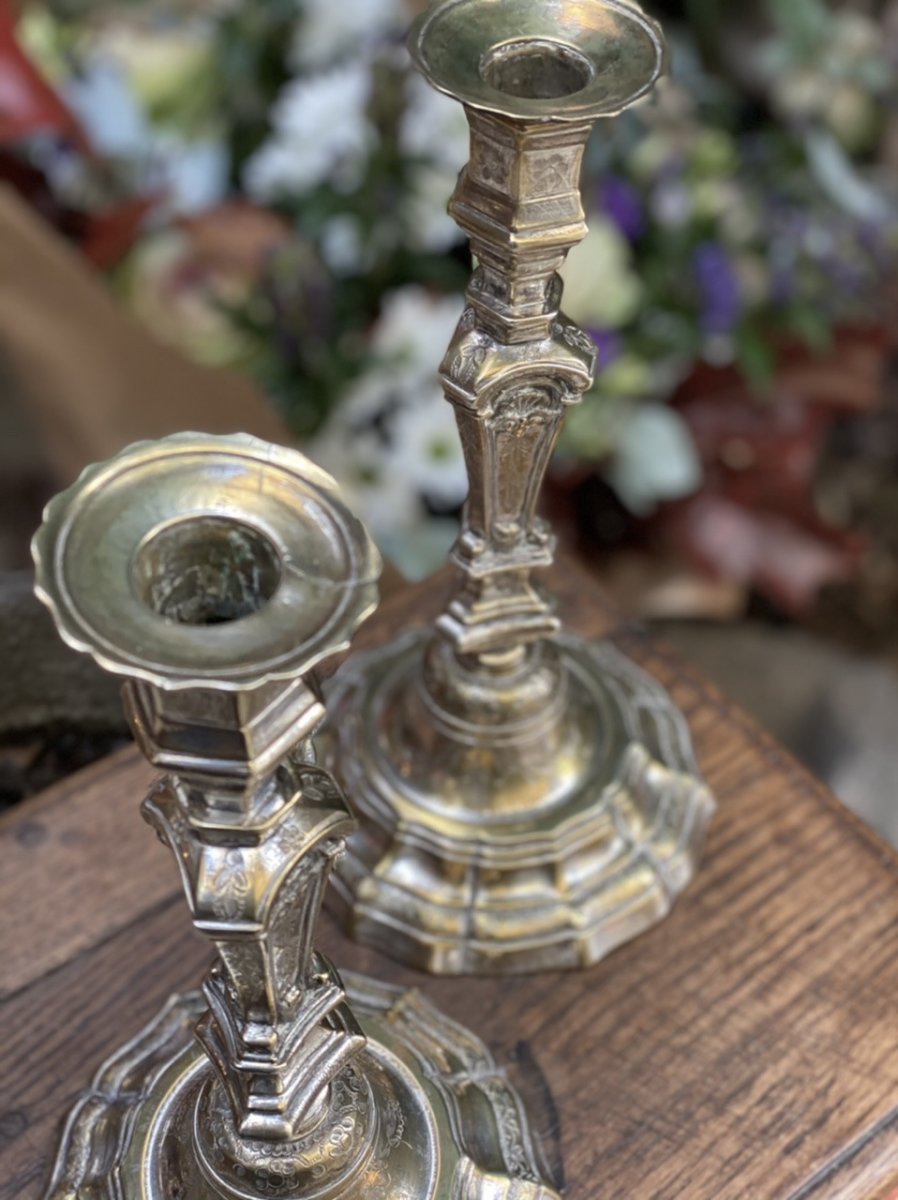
[528,801]
[216,575]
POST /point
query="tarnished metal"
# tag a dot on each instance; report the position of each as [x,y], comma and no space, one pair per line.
[215,575]
[528,801]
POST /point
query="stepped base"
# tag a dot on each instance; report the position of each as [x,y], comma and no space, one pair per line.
[485,853]
[425,1113]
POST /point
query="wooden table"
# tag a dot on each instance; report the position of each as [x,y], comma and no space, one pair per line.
[747,1049]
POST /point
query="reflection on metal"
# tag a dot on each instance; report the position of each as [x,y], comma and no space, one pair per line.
[527,801]
[214,575]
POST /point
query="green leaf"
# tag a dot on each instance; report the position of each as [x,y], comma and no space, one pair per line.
[755,356]
[801,22]
[810,324]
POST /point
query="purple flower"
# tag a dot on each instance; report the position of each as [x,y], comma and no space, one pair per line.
[874,237]
[722,302]
[609,345]
[623,204]
[783,283]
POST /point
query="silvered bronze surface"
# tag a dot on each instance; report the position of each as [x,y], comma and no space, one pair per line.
[528,801]
[437,1087]
[214,575]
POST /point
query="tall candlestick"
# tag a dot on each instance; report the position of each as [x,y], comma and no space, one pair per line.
[215,575]
[528,800]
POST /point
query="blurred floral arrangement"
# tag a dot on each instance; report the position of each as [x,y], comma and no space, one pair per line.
[267,185]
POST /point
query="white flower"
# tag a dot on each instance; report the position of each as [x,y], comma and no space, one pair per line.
[386,472]
[193,174]
[393,440]
[713,198]
[380,391]
[853,115]
[655,459]
[433,126]
[361,457]
[428,227]
[856,36]
[672,204]
[385,499]
[427,448]
[649,156]
[433,133]
[327,29]
[342,245]
[321,132]
[629,375]
[360,461]
[415,328]
[801,94]
[601,288]
[162,61]
[108,108]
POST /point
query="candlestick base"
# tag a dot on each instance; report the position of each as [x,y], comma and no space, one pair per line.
[516,847]
[427,1114]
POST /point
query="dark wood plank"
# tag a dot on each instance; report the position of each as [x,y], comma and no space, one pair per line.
[67,846]
[745,1050]
[61,1027]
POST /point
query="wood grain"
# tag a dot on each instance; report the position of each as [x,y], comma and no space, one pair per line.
[63,879]
[747,1049]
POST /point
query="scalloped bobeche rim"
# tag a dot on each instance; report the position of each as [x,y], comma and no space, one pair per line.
[48,547]
[561,109]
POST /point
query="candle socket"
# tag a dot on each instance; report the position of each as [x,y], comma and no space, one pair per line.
[528,801]
[216,575]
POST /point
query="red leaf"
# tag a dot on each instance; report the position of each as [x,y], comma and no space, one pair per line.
[28,104]
[761,451]
[763,550]
[110,235]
